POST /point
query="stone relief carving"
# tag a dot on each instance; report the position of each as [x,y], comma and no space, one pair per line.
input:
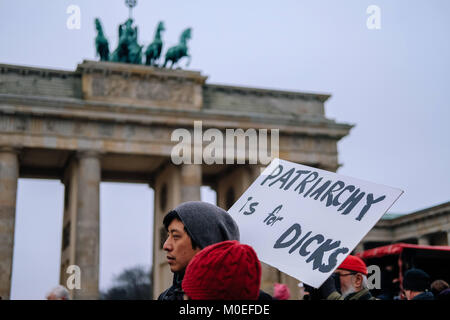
[144,89]
[152,90]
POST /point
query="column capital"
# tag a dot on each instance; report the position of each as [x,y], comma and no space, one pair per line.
[10,149]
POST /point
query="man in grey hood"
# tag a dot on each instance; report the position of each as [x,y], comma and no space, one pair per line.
[192,226]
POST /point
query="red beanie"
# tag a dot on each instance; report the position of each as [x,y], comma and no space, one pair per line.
[223,271]
[353,263]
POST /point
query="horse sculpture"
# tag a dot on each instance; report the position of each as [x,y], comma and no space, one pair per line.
[128,50]
[135,53]
[101,43]
[154,49]
[175,53]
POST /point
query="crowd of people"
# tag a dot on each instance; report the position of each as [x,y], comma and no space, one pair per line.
[209,263]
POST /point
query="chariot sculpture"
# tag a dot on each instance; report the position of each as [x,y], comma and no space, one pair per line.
[130,51]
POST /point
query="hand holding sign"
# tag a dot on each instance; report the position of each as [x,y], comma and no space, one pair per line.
[311,219]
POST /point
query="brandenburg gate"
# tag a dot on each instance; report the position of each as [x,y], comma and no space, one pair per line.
[110,121]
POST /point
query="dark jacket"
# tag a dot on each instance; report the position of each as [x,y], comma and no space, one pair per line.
[175,292]
[444,295]
[427,295]
[364,294]
[329,291]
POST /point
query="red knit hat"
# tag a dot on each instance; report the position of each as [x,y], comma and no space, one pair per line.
[353,263]
[223,271]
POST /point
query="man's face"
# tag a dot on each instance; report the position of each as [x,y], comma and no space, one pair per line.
[350,281]
[178,246]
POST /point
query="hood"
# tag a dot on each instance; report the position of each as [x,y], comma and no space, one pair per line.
[206,223]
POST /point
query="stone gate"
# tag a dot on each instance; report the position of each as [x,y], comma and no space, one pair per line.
[113,122]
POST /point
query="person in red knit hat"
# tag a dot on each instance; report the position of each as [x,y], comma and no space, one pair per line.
[349,282]
[226,270]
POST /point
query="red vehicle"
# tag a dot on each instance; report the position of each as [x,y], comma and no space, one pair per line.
[394,260]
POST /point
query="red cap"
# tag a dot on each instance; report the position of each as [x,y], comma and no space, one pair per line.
[353,263]
[226,270]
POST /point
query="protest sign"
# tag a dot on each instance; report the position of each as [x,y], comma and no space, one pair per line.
[305,221]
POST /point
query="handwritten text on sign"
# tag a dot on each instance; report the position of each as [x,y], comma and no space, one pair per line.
[305,221]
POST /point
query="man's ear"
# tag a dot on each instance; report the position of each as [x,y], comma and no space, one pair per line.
[358,280]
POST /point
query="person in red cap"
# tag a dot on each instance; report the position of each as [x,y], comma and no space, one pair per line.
[226,270]
[349,282]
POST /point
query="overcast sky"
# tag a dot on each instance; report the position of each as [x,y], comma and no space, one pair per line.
[392,83]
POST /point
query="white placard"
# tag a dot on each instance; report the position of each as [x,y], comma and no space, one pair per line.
[305,221]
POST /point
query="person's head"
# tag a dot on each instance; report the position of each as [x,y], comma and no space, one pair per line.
[223,271]
[438,286]
[415,281]
[179,244]
[281,291]
[193,226]
[352,275]
[58,293]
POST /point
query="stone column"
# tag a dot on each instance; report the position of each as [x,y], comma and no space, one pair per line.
[191,181]
[233,184]
[269,276]
[9,174]
[448,237]
[81,224]
[69,227]
[292,284]
[88,224]
[172,186]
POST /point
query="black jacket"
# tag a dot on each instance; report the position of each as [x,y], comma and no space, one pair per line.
[427,295]
[175,293]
